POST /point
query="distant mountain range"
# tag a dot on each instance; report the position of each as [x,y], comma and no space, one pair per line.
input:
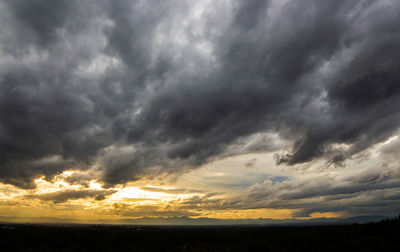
[182,221]
[261,221]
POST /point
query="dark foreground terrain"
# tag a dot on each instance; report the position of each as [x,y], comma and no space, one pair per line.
[382,236]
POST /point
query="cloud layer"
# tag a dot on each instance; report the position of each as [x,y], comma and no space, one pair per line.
[138,89]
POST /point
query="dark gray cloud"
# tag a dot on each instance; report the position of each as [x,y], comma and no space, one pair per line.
[140,89]
[63,196]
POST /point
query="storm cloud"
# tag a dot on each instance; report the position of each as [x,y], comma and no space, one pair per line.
[139,89]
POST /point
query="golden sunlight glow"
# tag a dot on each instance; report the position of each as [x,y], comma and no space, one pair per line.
[251,214]
[328,215]
[77,196]
[136,193]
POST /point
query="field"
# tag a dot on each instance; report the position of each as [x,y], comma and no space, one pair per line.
[383,236]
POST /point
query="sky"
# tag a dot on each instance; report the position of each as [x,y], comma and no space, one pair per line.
[118,110]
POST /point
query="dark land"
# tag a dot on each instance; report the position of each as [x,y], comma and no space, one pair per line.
[379,236]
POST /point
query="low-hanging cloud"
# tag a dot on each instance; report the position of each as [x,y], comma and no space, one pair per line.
[64,196]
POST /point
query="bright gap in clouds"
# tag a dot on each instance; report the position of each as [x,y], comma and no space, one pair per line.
[247,186]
